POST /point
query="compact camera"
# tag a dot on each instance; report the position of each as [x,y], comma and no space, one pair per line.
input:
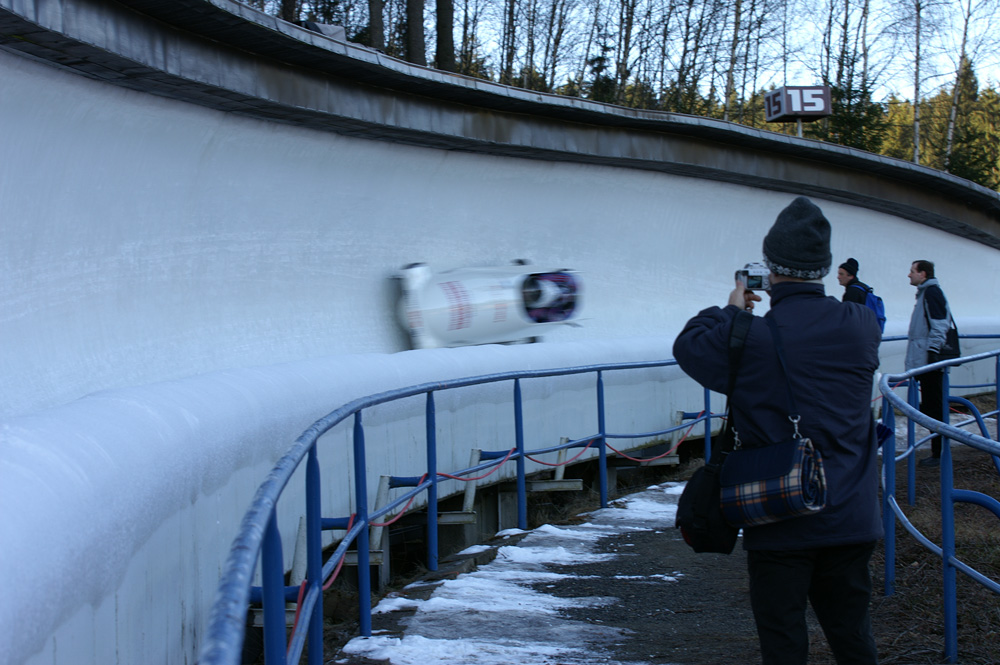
[754,276]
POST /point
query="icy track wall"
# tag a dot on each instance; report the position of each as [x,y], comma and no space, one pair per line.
[185,289]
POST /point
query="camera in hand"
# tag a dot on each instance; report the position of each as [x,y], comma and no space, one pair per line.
[754,276]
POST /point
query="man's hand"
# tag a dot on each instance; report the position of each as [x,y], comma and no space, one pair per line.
[933,356]
[743,298]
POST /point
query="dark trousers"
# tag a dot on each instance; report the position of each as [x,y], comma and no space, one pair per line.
[834,580]
[932,402]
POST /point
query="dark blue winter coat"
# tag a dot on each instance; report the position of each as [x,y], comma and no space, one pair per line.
[831,349]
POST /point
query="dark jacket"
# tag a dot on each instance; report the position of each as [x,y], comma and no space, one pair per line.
[832,353]
[854,294]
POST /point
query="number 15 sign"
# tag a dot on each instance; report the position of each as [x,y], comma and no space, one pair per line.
[796,102]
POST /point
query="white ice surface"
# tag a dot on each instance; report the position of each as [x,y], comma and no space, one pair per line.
[184,291]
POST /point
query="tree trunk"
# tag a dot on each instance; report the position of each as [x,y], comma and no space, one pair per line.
[626,19]
[957,90]
[731,72]
[289,10]
[376,26]
[591,35]
[445,55]
[916,84]
[415,52]
[508,43]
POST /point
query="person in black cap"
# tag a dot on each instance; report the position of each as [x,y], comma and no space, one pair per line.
[830,350]
[854,289]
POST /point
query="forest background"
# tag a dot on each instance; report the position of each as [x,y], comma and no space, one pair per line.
[911,79]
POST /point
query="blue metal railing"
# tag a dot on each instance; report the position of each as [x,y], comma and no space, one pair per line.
[259,533]
[949,495]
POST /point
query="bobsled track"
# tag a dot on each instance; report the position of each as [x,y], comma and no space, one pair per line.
[203,209]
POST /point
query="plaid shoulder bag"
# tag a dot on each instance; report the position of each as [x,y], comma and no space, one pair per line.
[777,481]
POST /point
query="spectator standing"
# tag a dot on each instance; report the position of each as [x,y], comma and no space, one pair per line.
[929,325]
[831,352]
[854,289]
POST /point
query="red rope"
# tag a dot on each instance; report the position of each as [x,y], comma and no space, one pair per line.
[336,571]
[295,624]
[669,452]
[403,511]
[487,475]
[573,459]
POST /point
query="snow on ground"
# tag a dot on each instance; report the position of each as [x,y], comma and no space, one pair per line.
[494,616]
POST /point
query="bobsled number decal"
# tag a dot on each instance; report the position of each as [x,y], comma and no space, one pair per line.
[460,312]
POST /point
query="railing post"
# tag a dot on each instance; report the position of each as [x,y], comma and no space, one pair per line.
[888,516]
[708,425]
[272,571]
[602,447]
[522,486]
[314,555]
[364,547]
[432,493]
[948,536]
[913,398]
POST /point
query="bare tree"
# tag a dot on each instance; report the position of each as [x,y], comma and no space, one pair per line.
[376,26]
[529,12]
[623,48]
[289,11]
[508,42]
[557,25]
[971,12]
[415,47]
[699,38]
[918,20]
[730,88]
[593,30]
[468,52]
[444,55]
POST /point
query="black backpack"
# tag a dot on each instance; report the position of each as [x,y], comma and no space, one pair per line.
[699,510]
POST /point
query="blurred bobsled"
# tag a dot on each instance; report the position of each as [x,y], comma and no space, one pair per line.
[484,305]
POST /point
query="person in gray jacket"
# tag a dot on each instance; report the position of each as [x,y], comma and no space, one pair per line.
[929,325]
[831,351]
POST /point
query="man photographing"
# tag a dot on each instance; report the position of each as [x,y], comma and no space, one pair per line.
[830,350]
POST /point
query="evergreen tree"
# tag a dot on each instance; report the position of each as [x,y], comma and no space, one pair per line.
[601,87]
[856,120]
[898,141]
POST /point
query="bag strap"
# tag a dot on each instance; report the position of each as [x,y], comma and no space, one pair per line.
[927,316]
[737,342]
[779,347]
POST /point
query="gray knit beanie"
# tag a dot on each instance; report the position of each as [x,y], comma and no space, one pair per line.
[798,244]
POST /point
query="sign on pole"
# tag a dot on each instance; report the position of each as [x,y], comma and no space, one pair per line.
[797,102]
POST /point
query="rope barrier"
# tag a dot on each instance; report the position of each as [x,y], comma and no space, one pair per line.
[669,452]
[295,623]
[401,512]
[302,589]
[573,459]
[340,564]
[487,475]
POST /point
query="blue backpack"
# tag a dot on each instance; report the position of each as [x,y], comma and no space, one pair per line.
[874,303]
